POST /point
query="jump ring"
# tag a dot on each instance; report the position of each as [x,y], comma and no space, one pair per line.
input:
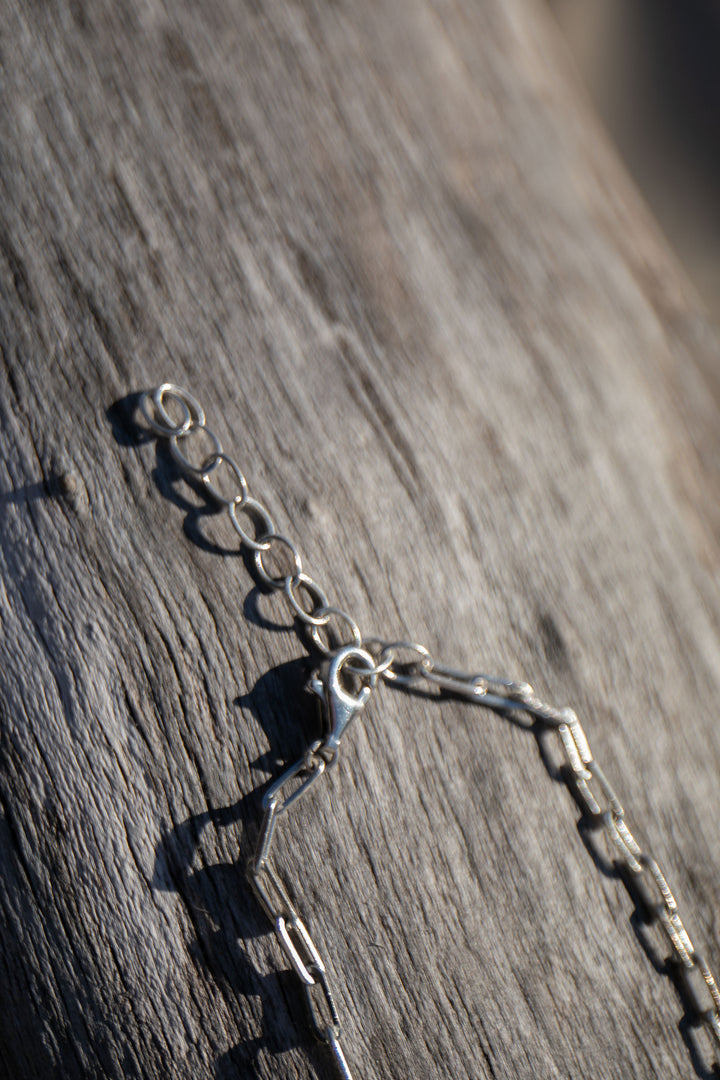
[215,492]
[368,672]
[315,593]
[342,616]
[162,423]
[390,650]
[266,527]
[183,461]
[268,579]
[384,662]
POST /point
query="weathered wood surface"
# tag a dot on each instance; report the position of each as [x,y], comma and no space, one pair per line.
[389,249]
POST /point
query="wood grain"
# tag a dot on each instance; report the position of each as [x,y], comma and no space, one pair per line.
[390,249]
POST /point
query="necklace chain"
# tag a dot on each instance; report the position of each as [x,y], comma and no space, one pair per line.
[349,659]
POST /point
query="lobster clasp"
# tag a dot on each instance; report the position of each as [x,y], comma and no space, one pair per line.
[339,704]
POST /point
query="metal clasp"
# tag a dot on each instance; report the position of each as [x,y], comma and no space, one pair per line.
[340,705]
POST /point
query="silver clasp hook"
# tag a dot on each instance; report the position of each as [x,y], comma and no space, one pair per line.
[339,704]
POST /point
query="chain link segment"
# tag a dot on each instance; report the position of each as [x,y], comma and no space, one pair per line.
[173,413]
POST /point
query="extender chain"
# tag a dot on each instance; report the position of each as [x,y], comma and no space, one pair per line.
[352,660]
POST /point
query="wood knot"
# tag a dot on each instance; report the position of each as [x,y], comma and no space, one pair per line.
[63,481]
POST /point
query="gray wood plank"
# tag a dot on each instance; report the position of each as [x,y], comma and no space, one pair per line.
[389,248]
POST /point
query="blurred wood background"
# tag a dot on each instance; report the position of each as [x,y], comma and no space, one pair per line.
[389,247]
[652,69]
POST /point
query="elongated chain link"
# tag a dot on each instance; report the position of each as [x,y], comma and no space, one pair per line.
[173,413]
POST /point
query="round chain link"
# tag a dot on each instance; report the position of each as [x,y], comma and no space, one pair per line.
[391,664]
[195,433]
[382,654]
[282,581]
[209,479]
[327,648]
[160,420]
[302,583]
[265,527]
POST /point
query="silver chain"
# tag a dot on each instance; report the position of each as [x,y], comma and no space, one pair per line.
[349,661]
